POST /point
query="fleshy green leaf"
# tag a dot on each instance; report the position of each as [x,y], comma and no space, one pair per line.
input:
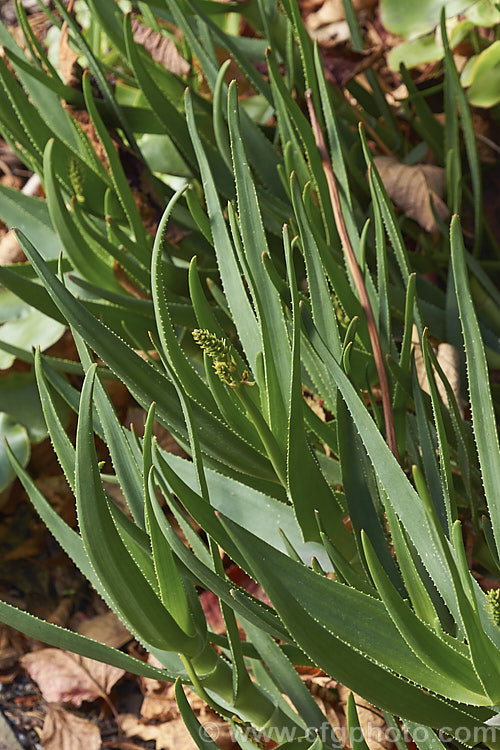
[106,551]
[78,644]
[328,636]
[483,415]
[18,440]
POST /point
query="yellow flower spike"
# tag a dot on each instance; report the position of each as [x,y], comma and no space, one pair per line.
[493,605]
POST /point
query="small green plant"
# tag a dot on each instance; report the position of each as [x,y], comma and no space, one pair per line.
[310,284]
[468,25]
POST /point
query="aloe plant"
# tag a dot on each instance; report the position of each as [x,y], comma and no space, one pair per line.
[301,292]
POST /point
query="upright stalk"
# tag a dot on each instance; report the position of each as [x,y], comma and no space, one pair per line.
[357,276]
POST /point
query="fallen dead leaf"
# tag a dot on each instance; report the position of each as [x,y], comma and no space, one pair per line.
[173,733]
[371,722]
[167,735]
[412,188]
[28,548]
[316,405]
[397,94]
[126,283]
[160,718]
[68,678]
[240,578]
[39,23]
[449,360]
[159,700]
[60,496]
[11,647]
[11,180]
[60,615]
[210,602]
[212,611]
[10,250]
[136,418]
[335,31]
[331,13]
[161,48]
[106,629]
[487,149]
[63,730]
[83,121]
[9,161]
[67,57]
[342,63]
[324,690]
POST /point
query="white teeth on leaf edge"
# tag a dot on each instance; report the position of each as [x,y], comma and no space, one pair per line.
[495,720]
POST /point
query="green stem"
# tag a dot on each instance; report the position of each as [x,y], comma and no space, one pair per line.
[273,450]
[212,678]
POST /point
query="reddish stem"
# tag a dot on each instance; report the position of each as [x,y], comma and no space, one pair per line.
[357,276]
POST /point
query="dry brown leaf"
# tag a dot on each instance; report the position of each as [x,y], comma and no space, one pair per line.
[371,722]
[10,180]
[39,23]
[60,496]
[10,647]
[395,96]
[212,611]
[324,690]
[336,31]
[173,733]
[167,735]
[124,281]
[333,10]
[316,405]
[107,629]
[160,718]
[60,614]
[136,418]
[487,148]
[159,701]
[161,48]
[28,548]
[68,678]
[411,188]
[67,57]
[82,118]
[341,63]
[63,730]
[449,360]
[335,718]
[10,250]
[328,22]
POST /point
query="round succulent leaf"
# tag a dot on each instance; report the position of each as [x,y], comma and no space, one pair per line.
[484,90]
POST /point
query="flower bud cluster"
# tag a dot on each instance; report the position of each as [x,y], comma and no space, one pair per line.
[220,351]
[493,605]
